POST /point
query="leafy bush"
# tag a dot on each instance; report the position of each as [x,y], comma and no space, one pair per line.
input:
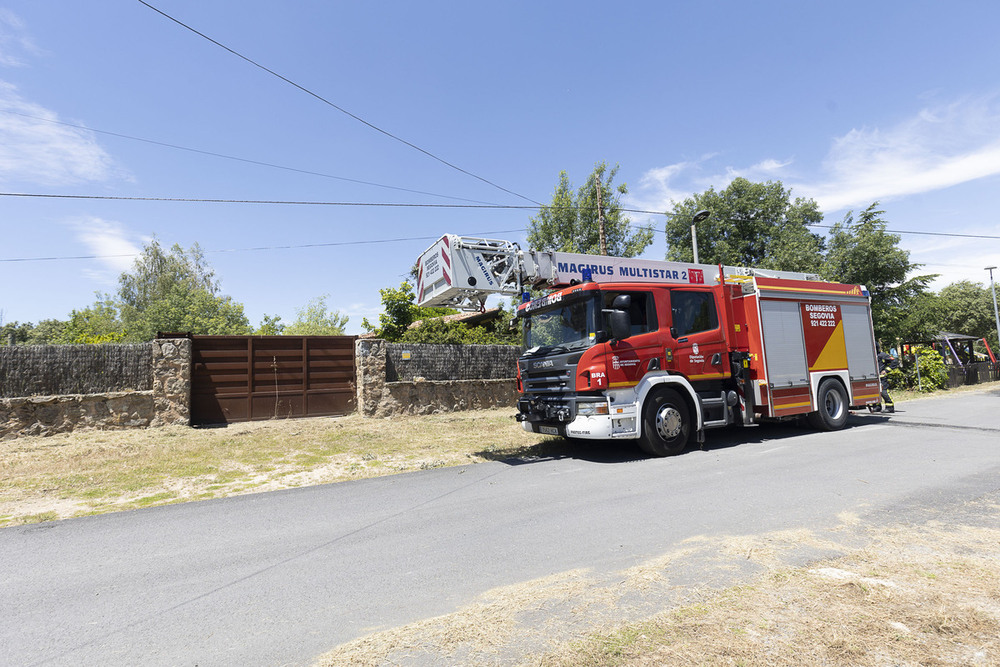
[400,312]
[439,331]
[933,372]
[896,378]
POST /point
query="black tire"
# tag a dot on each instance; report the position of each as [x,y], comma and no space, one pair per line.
[666,424]
[832,401]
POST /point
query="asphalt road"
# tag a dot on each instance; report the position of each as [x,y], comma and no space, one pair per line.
[279,578]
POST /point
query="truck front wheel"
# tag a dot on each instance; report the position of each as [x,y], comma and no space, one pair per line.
[832,400]
[666,424]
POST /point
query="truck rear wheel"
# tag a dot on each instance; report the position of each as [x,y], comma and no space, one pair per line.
[666,424]
[832,401]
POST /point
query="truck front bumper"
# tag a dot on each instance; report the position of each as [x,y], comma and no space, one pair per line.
[587,418]
[566,415]
[596,428]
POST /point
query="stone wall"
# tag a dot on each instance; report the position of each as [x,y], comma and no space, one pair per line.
[167,403]
[171,381]
[378,364]
[379,397]
[48,415]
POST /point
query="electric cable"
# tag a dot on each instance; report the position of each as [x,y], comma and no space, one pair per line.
[514,207]
[284,202]
[261,248]
[366,204]
[335,106]
[238,159]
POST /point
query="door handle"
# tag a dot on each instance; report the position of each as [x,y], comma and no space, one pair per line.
[716,359]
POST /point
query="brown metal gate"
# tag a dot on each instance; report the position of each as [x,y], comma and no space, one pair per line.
[243,378]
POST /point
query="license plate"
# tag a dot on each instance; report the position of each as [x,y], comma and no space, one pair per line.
[548,430]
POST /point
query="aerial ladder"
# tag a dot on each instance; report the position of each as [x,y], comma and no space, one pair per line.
[462,272]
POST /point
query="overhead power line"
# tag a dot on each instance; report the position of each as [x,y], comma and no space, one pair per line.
[257,248]
[266,201]
[920,233]
[335,106]
[237,159]
[514,207]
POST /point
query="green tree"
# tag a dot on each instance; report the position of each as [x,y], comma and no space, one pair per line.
[15,332]
[966,307]
[46,332]
[316,319]
[270,325]
[751,224]
[921,321]
[95,324]
[570,223]
[438,330]
[861,252]
[175,291]
[399,312]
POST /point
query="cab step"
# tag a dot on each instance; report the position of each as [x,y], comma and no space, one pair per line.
[715,412]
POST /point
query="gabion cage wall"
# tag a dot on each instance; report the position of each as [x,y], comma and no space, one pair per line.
[45,370]
[407,362]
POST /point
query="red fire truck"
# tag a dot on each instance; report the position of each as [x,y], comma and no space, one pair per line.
[662,351]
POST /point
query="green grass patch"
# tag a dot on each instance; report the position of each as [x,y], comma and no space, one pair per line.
[155,499]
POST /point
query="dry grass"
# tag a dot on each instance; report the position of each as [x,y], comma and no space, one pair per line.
[925,595]
[903,395]
[87,472]
[916,596]
[483,628]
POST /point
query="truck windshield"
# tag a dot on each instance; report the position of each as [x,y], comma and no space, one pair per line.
[562,326]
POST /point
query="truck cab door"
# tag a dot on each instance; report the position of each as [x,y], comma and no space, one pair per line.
[629,359]
[697,346]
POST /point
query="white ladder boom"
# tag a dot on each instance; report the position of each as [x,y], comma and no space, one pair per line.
[461,272]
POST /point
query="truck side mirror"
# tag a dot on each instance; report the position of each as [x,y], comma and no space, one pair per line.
[621,324]
[619,319]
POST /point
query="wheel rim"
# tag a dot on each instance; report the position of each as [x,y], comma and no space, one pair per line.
[834,404]
[668,422]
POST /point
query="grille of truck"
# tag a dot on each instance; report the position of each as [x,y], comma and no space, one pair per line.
[549,381]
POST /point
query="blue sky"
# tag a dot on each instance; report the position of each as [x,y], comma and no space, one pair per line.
[846,102]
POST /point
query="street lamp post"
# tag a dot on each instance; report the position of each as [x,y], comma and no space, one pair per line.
[994,290]
[698,217]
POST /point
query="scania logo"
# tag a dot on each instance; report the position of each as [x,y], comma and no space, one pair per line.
[548,363]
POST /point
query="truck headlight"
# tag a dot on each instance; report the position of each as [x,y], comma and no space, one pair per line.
[591,409]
